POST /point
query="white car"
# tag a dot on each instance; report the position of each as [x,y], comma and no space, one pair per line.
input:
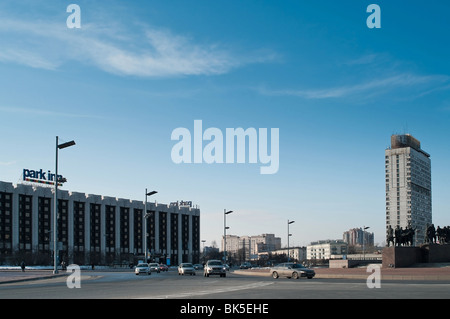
[214,267]
[142,268]
[186,269]
[154,267]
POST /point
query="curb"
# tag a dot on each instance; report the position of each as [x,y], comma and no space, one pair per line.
[419,277]
[6,281]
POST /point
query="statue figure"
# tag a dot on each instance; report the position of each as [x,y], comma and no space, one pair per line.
[443,235]
[440,235]
[431,234]
[390,236]
[446,234]
[398,235]
[408,236]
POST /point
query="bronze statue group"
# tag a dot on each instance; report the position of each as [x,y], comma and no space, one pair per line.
[439,235]
[405,237]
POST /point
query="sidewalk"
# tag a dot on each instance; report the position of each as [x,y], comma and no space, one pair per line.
[413,273]
[12,275]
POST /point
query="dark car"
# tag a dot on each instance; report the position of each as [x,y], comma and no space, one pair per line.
[292,270]
[245,266]
[163,267]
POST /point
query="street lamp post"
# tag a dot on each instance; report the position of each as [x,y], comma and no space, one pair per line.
[145,221]
[55,213]
[364,233]
[225,213]
[203,242]
[288,223]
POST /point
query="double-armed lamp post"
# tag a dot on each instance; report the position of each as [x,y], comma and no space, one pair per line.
[145,221]
[225,213]
[289,235]
[364,235]
[55,213]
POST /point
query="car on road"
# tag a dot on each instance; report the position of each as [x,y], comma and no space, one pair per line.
[214,267]
[198,266]
[245,265]
[142,268]
[186,269]
[154,267]
[163,267]
[291,270]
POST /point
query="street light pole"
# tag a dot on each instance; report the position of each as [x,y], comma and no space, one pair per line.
[225,213]
[364,233]
[288,223]
[203,242]
[55,213]
[145,222]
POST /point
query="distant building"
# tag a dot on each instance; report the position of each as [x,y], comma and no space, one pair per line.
[251,246]
[323,249]
[358,237]
[233,244]
[408,186]
[210,250]
[296,254]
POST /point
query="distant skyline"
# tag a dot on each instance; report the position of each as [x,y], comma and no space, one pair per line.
[134,72]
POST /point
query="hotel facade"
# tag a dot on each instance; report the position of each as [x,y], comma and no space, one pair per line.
[408,186]
[93,229]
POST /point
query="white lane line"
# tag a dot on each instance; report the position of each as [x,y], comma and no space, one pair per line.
[212,291]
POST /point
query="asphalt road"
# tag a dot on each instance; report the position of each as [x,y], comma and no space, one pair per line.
[168,285]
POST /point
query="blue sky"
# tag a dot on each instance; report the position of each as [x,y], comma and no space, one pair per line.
[136,71]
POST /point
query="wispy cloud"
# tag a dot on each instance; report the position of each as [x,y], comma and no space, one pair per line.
[145,51]
[41,112]
[376,86]
[7,163]
[27,58]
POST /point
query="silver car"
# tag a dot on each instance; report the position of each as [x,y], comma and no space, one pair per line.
[292,270]
[186,269]
[154,267]
[214,267]
[142,268]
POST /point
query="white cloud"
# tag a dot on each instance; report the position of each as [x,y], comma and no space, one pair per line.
[45,112]
[148,52]
[7,163]
[380,85]
[26,58]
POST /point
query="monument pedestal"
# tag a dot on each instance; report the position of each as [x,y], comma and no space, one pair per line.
[435,253]
[398,257]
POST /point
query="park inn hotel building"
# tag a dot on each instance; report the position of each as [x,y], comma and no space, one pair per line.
[93,229]
[408,186]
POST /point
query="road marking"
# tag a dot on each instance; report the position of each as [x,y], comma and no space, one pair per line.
[213,291]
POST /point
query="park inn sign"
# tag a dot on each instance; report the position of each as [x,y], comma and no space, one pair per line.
[40,176]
